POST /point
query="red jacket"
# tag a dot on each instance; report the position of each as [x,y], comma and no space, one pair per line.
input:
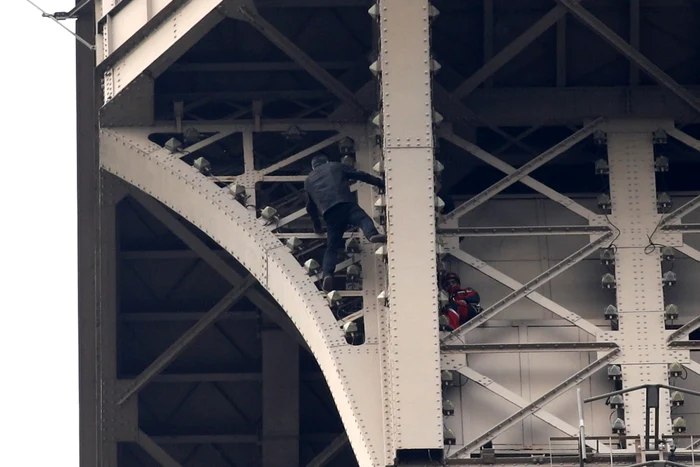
[466,302]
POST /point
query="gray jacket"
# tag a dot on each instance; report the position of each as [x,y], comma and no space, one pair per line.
[329,184]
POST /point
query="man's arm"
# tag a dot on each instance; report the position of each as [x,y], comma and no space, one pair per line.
[312,209]
[354,174]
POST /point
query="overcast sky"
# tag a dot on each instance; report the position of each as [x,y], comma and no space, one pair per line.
[38,287]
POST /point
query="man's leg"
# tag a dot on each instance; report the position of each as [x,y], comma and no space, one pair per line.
[359,217]
[336,220]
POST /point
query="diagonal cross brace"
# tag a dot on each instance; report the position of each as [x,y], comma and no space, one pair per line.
[525,170]
[497,389]
[217,263]
[534,297]
[301,154]
[177,347]
[538,403]
[527,180]
[630,52]
[510,51]
[693,203]
[158,453]
[303,60]
[329,452]
[528,288]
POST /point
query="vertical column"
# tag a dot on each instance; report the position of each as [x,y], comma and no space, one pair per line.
[638,274]
[414,353]
[280,399]
[88,227]
[111,428]
[248,178]
[373,273]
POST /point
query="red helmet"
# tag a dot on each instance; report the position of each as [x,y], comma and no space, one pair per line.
[451,282]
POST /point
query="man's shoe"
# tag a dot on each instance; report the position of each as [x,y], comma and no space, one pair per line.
[379,238]
[327,284]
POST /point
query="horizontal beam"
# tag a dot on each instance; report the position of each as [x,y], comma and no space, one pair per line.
[522,231]
[223,377]
[166,254]
[252,66]
[242,438]
[560,106]
[245,96]
[529,347]
[154,317]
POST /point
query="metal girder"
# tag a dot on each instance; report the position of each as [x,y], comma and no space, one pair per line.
[682,228]
[177,347]
[495,162]
[689,251]
[639,293]
[525,169]
[296,54]
[537,404]
[522,231]
[329,452]
[509,52]
[217,214]
[302,154]
[252,66]
[147,46]
[492,386]
[149,445]
[534,297]
[685,345]
[630,52]
[528,347]
[413,378]
[528,288]
[214,260]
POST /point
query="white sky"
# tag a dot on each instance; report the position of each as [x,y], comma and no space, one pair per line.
[38,286]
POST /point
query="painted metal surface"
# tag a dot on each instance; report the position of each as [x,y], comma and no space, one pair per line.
[407,120]
[236,229]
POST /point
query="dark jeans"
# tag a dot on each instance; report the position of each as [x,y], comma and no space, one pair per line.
[337,219]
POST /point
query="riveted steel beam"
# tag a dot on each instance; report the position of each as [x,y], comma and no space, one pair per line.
[412,384]
[685,330]
[553,421]
[537,404]
[530,347]
[495,162]
[630,52]
[329,452]
[214,260]
[534,297]
[523,231]
[510,51]
[528,288]
[149,445]
[301,58]
[177,347]
[217,214]
[525,169]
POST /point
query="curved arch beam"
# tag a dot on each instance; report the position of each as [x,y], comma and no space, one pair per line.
[352,373]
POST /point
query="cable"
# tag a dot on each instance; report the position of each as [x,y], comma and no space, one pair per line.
[53,17]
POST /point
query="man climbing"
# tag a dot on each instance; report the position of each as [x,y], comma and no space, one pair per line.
[328,191]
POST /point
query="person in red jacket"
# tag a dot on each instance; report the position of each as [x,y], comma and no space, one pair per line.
[464,302]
